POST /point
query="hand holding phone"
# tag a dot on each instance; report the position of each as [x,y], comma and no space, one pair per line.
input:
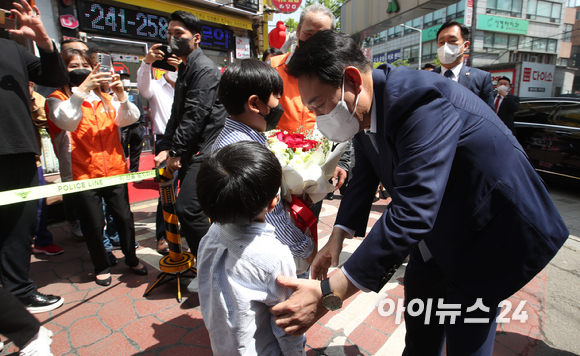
[162,63]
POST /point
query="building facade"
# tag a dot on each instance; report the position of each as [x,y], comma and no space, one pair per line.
[528,41]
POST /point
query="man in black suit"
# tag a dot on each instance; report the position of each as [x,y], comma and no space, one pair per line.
[452,43]
[467,204]
[506,104]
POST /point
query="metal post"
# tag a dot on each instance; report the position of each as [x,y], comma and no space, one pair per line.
[420,42]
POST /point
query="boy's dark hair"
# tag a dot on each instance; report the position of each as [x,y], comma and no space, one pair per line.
[273,51]
[245,78]
[464,29]
[237,182]
[327,54]
[505,78]
[191,22]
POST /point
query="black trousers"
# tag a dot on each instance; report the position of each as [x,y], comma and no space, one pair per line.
[133,145]
[194,223]
[424,281]
[159,220]
[90,210]
[17,225]
[16,323]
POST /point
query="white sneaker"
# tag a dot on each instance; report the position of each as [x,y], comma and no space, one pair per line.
[39,345]
[75,230]
[193,286]
[1,346]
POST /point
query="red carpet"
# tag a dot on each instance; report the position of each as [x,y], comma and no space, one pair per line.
[147,189]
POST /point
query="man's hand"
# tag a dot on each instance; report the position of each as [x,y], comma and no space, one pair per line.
[328,255]
[174,62]
[31,26]
[173,164]
[154,54]
[310,258]
[299,312]
[160,158]
[95,80]
[340,174]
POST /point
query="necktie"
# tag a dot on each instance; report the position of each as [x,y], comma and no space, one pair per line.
[448,74]
[496,103]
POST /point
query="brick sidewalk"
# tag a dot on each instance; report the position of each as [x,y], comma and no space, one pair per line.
[117,320]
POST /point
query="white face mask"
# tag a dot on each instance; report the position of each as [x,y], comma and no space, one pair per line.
[339,125]
[126,82]
[172,76]
[448,53]
[503,87]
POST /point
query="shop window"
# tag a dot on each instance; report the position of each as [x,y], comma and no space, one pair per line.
[429,50]
[499,41]
[411,53]
[433,18]
[505,7]
[567,35]
[394,32]
[544,11]
[456,11]
[552,46]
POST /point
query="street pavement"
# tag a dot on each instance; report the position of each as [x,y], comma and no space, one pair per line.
[118,320]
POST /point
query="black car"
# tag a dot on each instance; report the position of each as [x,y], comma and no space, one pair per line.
[549,131]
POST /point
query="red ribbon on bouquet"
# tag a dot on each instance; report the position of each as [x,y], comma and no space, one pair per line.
[304,217]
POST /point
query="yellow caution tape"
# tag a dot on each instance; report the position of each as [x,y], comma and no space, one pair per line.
[45,191]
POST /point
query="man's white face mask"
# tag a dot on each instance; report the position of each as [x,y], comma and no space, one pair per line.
[448,53]
[339,125]
[172,76]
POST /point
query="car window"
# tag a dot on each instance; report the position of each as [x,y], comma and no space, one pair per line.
[539,112]
[569,115]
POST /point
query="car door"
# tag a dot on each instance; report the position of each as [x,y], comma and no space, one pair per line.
[563,133]
[532,123]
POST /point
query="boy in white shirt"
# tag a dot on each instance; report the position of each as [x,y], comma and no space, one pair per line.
[240,258]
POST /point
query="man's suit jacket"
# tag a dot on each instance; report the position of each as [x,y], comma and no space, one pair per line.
[509,105]
[476,80]
[459,180]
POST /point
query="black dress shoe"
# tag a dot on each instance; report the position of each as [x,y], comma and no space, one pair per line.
[140,271]
[112,259]
[103,282]
[41,303]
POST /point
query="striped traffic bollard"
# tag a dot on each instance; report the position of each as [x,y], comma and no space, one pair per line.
[177,261]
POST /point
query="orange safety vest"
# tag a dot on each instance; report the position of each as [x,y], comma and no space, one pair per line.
[296,117]
[95,146]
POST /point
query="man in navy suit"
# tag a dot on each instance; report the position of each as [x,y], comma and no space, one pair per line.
[467,204]
[506,104]
[452,43]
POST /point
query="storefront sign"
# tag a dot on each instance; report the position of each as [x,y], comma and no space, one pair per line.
[117,21]
[287,6]
[242,47]
[508,73]
[537,79]
[469,13]
[430,34]
[69,21]
[379,58]
[393,56]
[502,24]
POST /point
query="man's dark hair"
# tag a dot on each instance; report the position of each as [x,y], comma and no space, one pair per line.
[273,51]
[464,29]
[429,65]
[245,78]
[327,54]
[190,21]
[505,78]
[237,182]
[71,40]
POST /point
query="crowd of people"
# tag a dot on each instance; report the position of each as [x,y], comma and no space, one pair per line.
[466,204]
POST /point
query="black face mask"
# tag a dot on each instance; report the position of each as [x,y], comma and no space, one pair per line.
[179,46]
[273,117]
[78,76]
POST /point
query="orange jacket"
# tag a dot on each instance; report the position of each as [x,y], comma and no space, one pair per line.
[296,117]
[95,148]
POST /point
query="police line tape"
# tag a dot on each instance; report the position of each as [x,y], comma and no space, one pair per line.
[45,191]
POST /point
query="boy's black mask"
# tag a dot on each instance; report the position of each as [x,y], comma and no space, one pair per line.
[273,117]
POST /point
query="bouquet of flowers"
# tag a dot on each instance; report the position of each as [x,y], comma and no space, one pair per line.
[308,163]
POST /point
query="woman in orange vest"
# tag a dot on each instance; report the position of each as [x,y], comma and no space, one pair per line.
[84,124]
